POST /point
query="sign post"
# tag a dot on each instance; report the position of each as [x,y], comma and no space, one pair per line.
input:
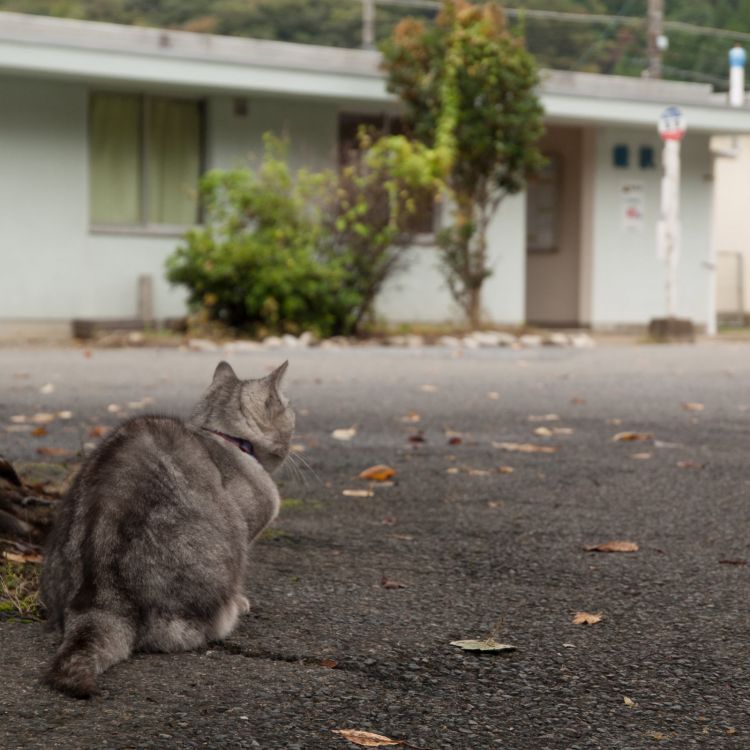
[672,127]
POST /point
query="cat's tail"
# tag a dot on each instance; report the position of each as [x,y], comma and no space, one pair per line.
[94,640]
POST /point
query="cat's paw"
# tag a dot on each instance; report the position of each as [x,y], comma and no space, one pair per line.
[243,604]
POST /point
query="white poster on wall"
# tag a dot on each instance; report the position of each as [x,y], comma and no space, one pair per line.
[632,206]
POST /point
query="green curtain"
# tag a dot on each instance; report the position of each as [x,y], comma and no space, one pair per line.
[115,159]
[173,137]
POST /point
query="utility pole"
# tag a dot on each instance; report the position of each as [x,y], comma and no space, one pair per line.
[655,37]
[368,24]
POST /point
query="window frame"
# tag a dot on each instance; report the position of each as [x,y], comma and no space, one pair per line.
[147,228]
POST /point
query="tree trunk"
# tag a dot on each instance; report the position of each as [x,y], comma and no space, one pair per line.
[474,308]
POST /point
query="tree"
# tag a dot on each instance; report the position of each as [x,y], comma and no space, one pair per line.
[468,85]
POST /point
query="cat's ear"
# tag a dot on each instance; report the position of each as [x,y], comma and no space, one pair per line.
[224,373]
[274,379]
[275,401]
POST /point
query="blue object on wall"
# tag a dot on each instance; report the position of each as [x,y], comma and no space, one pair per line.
[646,157]
[621,155]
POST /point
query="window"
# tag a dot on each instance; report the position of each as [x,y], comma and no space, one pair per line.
[542,208]
[145,158]
[423,220]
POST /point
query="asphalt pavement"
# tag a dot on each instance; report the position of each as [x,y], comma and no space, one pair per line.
[479,550]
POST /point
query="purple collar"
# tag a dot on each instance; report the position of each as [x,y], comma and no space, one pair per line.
[244,445]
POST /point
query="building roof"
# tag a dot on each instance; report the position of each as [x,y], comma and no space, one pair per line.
[137,57]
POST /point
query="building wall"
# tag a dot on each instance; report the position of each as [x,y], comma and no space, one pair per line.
[627,278]
[732,225]
[54,267]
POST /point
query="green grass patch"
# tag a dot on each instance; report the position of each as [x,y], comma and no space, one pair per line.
[19,592]
[273,535]
[294,503]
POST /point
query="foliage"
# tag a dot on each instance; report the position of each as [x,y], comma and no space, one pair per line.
[284,253]
[596,46]
[468,85]
[19,592]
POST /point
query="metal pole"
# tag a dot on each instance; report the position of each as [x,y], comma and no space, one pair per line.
[368,24]
[655,30]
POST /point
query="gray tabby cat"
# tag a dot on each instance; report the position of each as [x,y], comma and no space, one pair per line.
[150,546]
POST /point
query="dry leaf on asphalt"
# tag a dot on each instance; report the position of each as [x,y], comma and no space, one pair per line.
[641,456]
[428,388]
[543,432]
[43,417]
[412,416]
[689,465]
[54,452]
[114,408]
[504,469]
[629,437]
[344,433]
[98,430]
[587,618]
[358,493]
[453,470]
[378,473]
[629,702]
[329,663]
[48,388]
[489,644]
[366,739]
[614,421]
[455,440]
[417,437]
[493,395]
[692,406]
[391,583]
[617,545]
[40,432]
[544,418]
[577,401]
[657,736]
[734,561]
[18,419]
[525,447]
[479,472]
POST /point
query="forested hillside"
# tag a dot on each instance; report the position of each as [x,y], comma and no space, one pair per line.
[595,46]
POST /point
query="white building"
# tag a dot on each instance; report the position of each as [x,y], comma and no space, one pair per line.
[104,130]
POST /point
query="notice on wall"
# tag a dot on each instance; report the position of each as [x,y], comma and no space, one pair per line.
[632,206]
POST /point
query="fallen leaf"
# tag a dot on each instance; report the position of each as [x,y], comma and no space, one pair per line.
[54,452]
[614,421]
[428,388]
[43,417]
[692,406]
[453,470]
[489,644]
[629,702]
[494,504]
[641,456]
[689,465]
[543,432]
[658,736]
[577,401]
[455,440]
[417,437]
[366,739]
[629,437]
[403,537]
[344,433]
[493,395]
[544,418]
[479,472]
[114,408]
[614,546]
[358,493]
[391,583]
[39,432]
[526,447]
[412,416]
[731,731]
[47,388]
[586,618]
[734,561]
[329,663]
[378,473]
[18,419]
[505,469]
[389,521]
[98,431]
[65,414]
[32,557]
[297,448]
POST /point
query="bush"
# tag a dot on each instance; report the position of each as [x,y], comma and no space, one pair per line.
[282,253]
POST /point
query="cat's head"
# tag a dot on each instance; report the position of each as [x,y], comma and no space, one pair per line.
[251,410]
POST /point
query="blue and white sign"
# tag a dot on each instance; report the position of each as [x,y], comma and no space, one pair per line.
[672,124]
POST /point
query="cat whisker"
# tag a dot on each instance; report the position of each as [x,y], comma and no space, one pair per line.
[306,464]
